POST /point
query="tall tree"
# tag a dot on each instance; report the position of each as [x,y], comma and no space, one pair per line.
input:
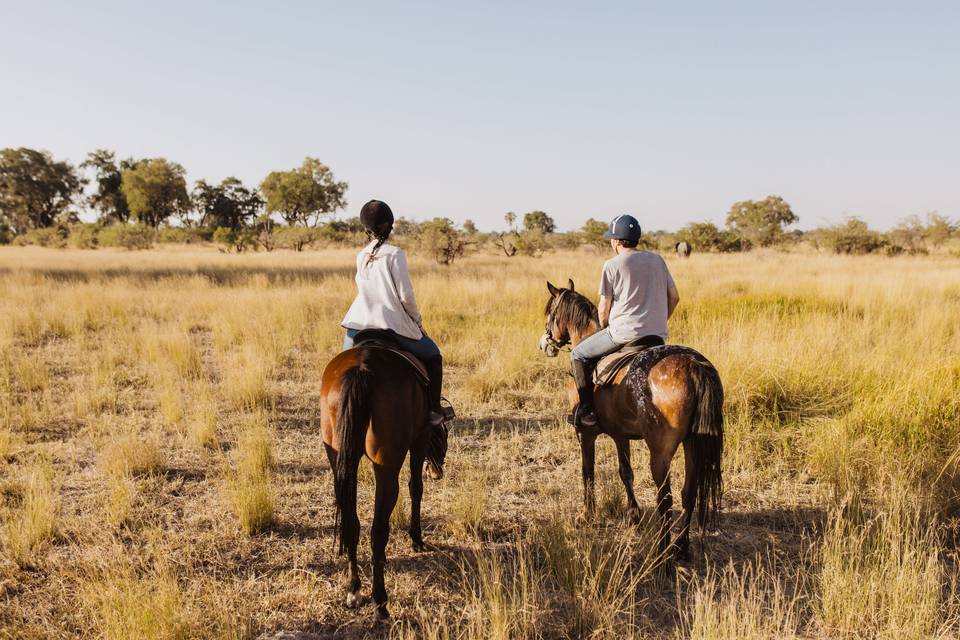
[304,194]
[538,221]
[108,199]
[155,190]
[761,222]
[228,204]
[35,190]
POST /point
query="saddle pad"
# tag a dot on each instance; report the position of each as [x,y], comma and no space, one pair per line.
[611,364]
[409,358]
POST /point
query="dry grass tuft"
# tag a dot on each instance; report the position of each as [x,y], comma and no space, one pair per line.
[29,529]
[133,454]
[251,485]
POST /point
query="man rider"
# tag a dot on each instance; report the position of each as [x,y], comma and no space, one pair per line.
[637,295]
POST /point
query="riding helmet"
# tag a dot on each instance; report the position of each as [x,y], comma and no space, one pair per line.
[623,227]
[376,217]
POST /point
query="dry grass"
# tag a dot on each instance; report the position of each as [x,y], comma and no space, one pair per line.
[33,524]
[841,467]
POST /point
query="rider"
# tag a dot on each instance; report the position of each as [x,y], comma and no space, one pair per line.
[637,295]
[385,301]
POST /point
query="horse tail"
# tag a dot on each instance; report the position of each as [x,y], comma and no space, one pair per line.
[353,417]
[706,435]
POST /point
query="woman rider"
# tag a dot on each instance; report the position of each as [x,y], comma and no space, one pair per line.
[385,301]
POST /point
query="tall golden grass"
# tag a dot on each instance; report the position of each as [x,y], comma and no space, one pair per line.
[842,464]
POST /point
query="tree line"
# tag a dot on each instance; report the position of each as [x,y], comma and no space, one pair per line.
[140,201]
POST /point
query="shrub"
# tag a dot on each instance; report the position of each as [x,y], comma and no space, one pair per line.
[6,233]
[53,237]
[297,238]
[852,237]
[128,236]
[84,236]
[706,237]
[532,242]
[442,240]
[183,235]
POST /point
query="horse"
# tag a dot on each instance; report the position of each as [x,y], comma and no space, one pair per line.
[373,404]
[670,395]
[683,249]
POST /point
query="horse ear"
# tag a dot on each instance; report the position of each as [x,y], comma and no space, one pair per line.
[570,284]
[552,289]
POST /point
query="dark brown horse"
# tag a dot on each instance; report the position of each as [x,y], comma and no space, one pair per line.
[670,395]
[371,403]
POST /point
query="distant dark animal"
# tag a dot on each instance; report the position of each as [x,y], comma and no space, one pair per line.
[372,403]
[669,395]
[683,249]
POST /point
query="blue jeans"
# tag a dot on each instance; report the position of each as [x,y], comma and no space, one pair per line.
[595,347]
[424,348]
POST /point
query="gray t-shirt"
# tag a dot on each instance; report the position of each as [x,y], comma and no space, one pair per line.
[638,283]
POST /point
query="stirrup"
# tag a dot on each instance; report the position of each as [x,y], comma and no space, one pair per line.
[447,410]
[583,417]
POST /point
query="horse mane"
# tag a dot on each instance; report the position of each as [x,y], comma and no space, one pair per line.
[575,311]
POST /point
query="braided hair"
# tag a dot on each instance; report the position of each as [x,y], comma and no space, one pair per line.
[377,219]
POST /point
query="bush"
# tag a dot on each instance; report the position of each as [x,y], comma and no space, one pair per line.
[532,242]
[442,240]
[6,233]
[84,236]
[297,238]
[54,237]
[706,237]
[852,237]
[128,236]
[183,235]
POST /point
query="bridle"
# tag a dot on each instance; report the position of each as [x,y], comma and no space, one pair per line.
[550,324]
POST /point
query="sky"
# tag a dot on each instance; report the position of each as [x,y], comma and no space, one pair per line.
[670,111]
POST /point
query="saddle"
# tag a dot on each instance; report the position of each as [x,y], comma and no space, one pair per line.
[383,339]
[610,365]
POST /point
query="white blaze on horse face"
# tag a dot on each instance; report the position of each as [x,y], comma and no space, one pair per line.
[548,349]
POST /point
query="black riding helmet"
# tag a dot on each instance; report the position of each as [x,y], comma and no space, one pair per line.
[377,218]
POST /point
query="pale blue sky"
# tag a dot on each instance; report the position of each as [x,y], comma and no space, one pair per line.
[670,111]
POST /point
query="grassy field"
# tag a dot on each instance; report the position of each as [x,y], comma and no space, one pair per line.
[161,473]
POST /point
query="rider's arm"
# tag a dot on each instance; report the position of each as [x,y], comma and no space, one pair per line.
[401,278]
[603,310]
[673,298]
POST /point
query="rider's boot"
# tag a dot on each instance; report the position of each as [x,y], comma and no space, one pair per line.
[583,414]
[438,413]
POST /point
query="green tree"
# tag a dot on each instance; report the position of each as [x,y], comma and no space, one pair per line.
[228,205]
[442,240]
[538,221]
[155,190]
[35,190]
[511,219]
[469,227]
[304,194]
[761,222]
[108,199]
[593,231]
[706,237]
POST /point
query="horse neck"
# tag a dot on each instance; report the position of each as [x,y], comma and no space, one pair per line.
[579,335]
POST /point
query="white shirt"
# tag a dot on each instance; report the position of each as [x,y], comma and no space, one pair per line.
[639,284]
[384,294]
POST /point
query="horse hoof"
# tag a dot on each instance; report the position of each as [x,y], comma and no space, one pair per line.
[352,601]
[635,517]
[381,615]
[418,546]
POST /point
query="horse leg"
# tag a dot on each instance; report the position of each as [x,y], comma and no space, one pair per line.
[417,455]
[660,470]
[388,487]
[588,443]
[688,497]
[353,583]
[626,476]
